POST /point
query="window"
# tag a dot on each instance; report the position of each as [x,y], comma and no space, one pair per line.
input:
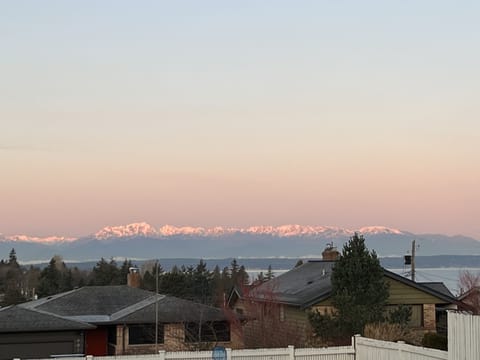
[212,331]
[112,334]
[417,316]
[239,311]
[144,334]
[416,319]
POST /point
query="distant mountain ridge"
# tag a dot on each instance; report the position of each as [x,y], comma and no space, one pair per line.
[147,230]
[143,241]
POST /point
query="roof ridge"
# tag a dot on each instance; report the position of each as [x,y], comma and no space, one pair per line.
[56,315]
[38,302]
[136,306]
[43,312]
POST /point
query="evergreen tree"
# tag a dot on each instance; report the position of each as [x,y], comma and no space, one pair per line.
[66,280]
[226,280]
[13,294]
[217,287]
[150,277]
[269,275]
[234,269]
[123,272]
[260,277]
[243,278]
[359,290]
[50,279]
[11,283]
[105,273]
[174,282]
[202,284]
[12,258]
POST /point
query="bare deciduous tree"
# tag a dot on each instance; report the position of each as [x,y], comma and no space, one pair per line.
[469,284]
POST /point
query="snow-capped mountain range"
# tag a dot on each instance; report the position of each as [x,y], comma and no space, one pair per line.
[144,241]
[146,230]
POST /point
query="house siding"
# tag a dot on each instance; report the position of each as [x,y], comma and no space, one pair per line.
[400,293]
[273,325]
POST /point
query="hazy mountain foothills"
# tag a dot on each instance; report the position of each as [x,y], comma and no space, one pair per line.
[143,241]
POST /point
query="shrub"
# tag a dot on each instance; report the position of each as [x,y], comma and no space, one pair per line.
[324,326]
[401,315]
[385,331]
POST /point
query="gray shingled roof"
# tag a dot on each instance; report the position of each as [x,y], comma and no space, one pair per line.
[97,301]
[122,304]
[310,283]
[172,309]
[438,287]
[299,286]
[19,319]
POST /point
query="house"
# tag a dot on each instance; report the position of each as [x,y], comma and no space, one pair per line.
[28,333]
[283,303]
[113,320]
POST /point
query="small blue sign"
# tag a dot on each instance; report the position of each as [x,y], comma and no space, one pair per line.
[219,353]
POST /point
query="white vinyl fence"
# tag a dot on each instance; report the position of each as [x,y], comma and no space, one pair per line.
[463,336]
[361,349]
[369,349]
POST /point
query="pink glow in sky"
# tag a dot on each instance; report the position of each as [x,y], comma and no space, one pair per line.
[323,113]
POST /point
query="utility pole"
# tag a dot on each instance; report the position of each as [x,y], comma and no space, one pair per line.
[413,261]
[156,308]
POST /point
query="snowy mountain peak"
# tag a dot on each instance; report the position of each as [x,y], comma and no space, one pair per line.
[379,230]
[42,240]
[170,230]
[134,229]
[146,230]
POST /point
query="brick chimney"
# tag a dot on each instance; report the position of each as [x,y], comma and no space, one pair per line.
[330,253]
[133,277]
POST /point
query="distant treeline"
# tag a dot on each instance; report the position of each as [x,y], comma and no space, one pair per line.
[198,283]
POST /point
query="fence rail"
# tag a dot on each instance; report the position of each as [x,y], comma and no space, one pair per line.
[361,349]
[384,350]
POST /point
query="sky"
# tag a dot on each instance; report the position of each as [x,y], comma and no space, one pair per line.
[238,113]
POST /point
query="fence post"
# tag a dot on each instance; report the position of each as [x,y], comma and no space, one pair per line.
[291,352]
[400,349]
[354,344]
[229,353]
[161,354]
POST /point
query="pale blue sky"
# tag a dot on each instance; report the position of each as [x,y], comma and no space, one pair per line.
[239,113]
